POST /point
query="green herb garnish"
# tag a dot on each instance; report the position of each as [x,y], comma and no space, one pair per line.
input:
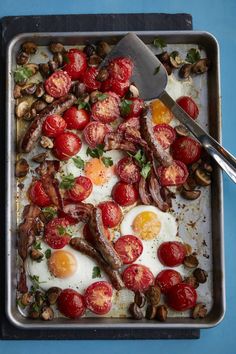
[193,55]
[64,230]
[35,282]
[125,107]
[37,246]
[97,152]
[101,96]
[159,43]
[107,161]
[146,170]
[96,272]
[156,71]
[82,104]
[22,74]
[79,163]
[48,253]
[174,54]
[67,182]
[142,162]
[49,212]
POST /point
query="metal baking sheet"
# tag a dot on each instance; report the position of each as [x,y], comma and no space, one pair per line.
[200,221]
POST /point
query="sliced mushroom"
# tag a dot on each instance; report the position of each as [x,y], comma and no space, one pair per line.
[103,48]
[190,184]
[40,90]
[201,66]
[47,98]
[192,281]
[22,168]
[191,261]
[47,313]
[39,297]
[102,75]
[79,89]
[190,194]
[185,71]
[22,108]
[202,177]
[56,48]
[53,65]
[52,294]
[58,58]
[139,298]
[135,311]
[22,58]
[29,47]
[17,91]
[28,116]
[94,60]
[29,89]
[89,50]
[26,299]
[44,70]
[201,275]
[39,105]
[168,68]
[94,96]
[134,91]
[175,59]
[36,255]
[46,142]
[161,314]
[188,249]
[181,130]
[151,312]
[164,57]
[199,311]
[153,295]
[34,311]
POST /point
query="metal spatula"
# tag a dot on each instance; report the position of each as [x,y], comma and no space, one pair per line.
[153,86]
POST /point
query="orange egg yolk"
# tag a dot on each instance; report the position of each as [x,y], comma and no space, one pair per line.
[160,113]
[98,173]
[146,225]
[62,264]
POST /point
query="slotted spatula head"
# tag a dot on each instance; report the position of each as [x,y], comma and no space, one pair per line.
[149,74]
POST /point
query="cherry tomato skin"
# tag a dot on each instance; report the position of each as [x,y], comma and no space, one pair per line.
[76,118]
[69,218]
[53,125]
[58,84]
[98,297]
[189,106]
[66,145]
[137,277]
[121,69]
[111,213]
[94,133]
[71,303]
[90,79]
[120,88]
[135,108]
[186,149]
[129,248]
[181,297]
[81,189]
[128,171]
[167,278]
[173,175]
[107,110]
[125,194]
[75,64]
[164,134]
[171,253]
[55,233]
[38,195]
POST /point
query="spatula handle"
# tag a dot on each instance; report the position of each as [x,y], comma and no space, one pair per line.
[224,159]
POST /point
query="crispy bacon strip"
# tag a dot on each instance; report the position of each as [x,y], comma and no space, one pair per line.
[134,136]
[143,192]
[79,211]
[154,189]
[49,167]
[51,187]
[115,141]
[82,246]
[131,122]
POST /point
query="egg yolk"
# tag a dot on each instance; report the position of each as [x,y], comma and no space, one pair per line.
[62,264]
[160,113]
[146,225]
[98,173]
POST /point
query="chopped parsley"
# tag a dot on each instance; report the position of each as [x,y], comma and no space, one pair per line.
[35,282]
[101,96]
[49,212]
[22,74]
[193,55]
[82,104]
[64,230]
[107,161]
[48,253]
[37,246]
[96,272]
[143,163]
[125,107]
[67,182]
[79,163]
[159,43]
[97,152]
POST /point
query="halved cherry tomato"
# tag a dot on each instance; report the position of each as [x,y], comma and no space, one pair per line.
[66,145]
[71,303]
[94,133]
[167,278]
[133,122]
[135,108]
[120,88]
[53,125]
[90,79]
[171,253]
[38,195]
[186,149]
[164,134]
[56,235]
[98,297]
[129,248]
[107,110]
[76,118]
[125,194]
[121,69]
[111,213]
[181,297]
[81,189]
[89,237]
[127,170]
[173,175]
[138,277]
[58,84]
[189,106]
[75,63]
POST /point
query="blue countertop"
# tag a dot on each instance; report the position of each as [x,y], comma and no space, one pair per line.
[217,17]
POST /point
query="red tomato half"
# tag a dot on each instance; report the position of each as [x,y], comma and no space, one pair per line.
[58,84]
[76,118]
[90,79]
[120,88]
[121,69]
[98,297]
[173,175]
[171,253]
[71,303]
[66,145]
[164,134]
[94,133]
[75,63]
[138,277]
[127,170]
[129,248]
[81,189]
[135,108]
[186,149]
[125,194]
[56,235]
[181,297]
[168,278]
[38,195]
[111,213]
[53,125]
[107,110]
[189,106]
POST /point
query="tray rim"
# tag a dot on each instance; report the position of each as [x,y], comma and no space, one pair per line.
[116,323]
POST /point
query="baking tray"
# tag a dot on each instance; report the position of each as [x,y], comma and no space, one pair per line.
[216,251]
